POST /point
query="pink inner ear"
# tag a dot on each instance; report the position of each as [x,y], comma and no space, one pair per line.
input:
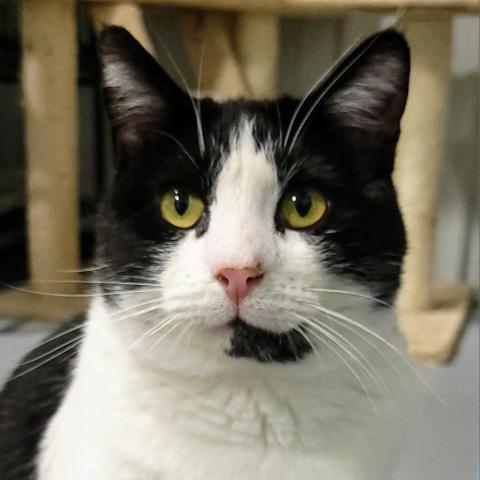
[239,282]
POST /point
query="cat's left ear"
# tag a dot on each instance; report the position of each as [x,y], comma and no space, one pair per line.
[139,95]
[369,89]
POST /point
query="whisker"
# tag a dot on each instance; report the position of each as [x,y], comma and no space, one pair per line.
[367,365]
[60,335]
[309,341]
[141,312]
[157,342]
[345,362]
[76,295]
[135,306]
[179,144]
[152,331]
[377,350]
[100,282]
[329,87]
[201,138]
[39,357]
[354,294]
[325,329]
[198,100]
[381,339]
[188,326]
[280,124]
[317,83]
[41,364]
[93,268]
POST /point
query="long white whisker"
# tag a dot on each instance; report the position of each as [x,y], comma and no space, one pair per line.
[100,282]
[179,144]
[93,268]
[198,100]
[56,337]
[157,342]
[280,124]
[350,368]
[66,349]
[152,331]
[329,87]
[374,347]
[316,85]
[353,294]
[201,138]
[381,339]
[309,341]
[140,312]
[365,363]
[326,330]
[188,326]
[77,295]
[135,307]
[39,357]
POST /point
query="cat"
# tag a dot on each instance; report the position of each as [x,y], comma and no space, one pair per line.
[247,254]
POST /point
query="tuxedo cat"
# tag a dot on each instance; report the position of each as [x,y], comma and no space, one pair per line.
[247,254]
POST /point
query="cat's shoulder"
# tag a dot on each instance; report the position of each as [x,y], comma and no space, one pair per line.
[32,395]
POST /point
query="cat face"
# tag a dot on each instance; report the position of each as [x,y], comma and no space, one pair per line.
[239,220]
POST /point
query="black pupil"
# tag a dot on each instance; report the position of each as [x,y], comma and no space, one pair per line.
[302,202]
[181,201]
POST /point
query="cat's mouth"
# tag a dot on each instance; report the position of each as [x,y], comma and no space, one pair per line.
[265,346]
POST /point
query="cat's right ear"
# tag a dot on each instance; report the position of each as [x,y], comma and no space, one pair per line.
[139,95]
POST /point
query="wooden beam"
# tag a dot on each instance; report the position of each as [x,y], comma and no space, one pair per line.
[308,7]
[259,65]
[213,57]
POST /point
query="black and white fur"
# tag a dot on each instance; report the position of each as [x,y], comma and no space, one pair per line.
[171,381]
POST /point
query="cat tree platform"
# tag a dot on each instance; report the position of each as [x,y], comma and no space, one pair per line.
[238,61]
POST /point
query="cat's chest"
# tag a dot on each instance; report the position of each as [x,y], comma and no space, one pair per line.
[187,446]
[213,432]
[281,422]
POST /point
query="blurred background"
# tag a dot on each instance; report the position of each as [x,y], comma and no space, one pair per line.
[321,41]
[446,447]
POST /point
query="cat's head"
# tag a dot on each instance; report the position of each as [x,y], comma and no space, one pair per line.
[243,221]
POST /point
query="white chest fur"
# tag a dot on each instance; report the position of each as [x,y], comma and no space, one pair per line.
[124,420]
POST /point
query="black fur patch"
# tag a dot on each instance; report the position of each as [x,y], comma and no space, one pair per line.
[29,400]
[264,346]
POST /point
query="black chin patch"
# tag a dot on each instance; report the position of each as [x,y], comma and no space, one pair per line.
[264,346]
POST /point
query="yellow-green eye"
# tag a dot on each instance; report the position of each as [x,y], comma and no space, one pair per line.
[181,208]
[303,208]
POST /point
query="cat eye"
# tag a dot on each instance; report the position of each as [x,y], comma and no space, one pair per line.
[181,208]
[302,208]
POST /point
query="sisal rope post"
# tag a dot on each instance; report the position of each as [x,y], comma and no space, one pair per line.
[216,64]
[431,320]
[49,86]
[49,83]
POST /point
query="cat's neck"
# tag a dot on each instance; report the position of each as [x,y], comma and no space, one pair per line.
[250,401]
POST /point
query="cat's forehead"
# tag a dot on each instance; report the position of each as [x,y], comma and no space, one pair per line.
[247,167]
[266,120]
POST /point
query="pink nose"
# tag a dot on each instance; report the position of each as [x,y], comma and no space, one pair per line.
[239,282]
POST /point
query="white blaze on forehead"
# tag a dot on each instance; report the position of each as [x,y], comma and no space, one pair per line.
[242,213]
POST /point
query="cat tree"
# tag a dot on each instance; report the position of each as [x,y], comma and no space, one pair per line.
[239,59]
